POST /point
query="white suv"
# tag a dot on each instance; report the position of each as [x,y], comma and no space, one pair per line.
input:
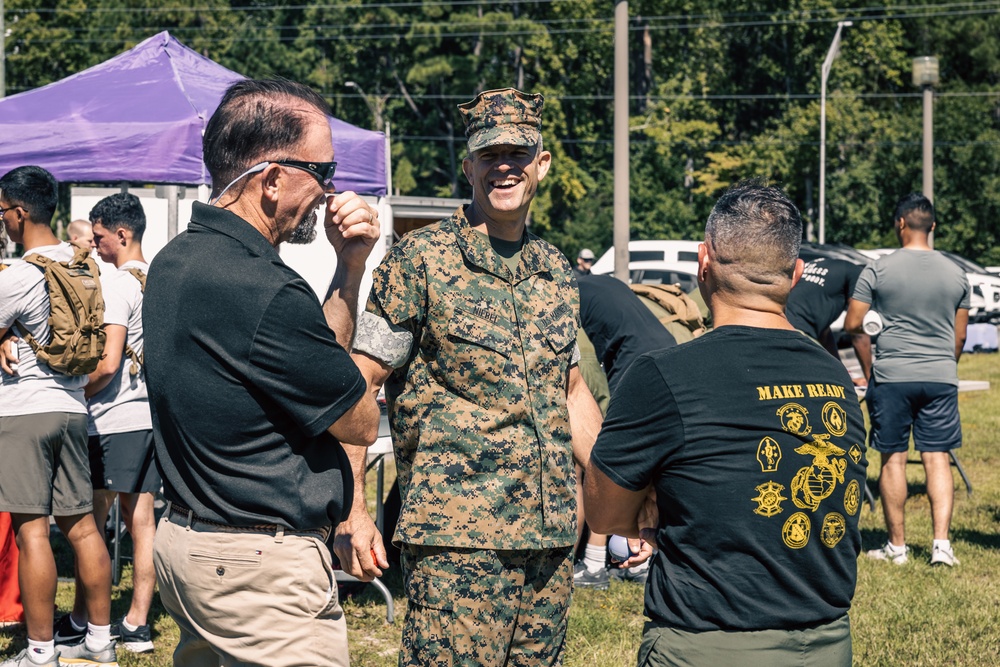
[656,262]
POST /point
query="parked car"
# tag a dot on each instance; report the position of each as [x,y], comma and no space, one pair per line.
[984,302]
[679,255]
[810,251]
[656,263]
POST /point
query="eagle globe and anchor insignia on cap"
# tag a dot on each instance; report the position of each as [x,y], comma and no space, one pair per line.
[503,117]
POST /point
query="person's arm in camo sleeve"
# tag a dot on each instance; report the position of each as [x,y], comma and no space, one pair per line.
[383,342]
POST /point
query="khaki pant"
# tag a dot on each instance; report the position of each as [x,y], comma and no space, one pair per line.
[826,645]
[244,599]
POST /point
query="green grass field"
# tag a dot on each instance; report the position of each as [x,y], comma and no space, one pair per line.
[909,615]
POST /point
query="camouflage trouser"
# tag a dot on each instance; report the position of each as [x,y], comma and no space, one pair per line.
[482,607]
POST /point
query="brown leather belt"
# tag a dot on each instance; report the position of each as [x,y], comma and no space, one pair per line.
[178,513]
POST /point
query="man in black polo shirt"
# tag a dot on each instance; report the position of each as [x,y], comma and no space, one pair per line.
[742,453]
[252,391]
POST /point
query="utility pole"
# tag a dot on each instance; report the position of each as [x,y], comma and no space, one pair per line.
[621,147]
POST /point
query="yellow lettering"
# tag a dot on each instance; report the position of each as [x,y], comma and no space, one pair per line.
[764,394]
[813,390]
[792,390]
[837,391]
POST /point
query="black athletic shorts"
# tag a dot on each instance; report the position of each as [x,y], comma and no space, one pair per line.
[123,462]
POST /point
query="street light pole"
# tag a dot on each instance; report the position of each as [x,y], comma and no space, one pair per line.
[376,111]
[831,55]
[926,74]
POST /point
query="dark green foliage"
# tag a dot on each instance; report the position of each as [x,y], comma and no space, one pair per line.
[730,90]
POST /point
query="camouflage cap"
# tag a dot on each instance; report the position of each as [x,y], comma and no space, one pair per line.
[502,117]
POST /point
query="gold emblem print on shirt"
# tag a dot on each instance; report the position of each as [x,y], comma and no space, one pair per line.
[834,418]
[796,530]
[815,482]
[768,454]
[833,530]
[794,418]
[852,497]
[769,499]
[855,453]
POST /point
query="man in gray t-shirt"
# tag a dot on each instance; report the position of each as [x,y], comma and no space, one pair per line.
[923,301]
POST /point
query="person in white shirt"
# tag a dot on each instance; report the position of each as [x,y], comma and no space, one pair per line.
[43,439]
[120,430]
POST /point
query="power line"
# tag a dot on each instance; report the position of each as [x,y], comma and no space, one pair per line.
[340,33]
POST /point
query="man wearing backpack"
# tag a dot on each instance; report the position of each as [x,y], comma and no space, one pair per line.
[120,429]
[43,438]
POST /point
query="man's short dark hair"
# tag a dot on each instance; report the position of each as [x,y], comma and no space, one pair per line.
[755,231]
[253,123]
[33,189]
[120,210]
[917,210]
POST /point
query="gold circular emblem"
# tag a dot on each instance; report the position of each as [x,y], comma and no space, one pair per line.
[852,497]
[834,529]
[769,499]
[835,419]
[796,531]
[794,418]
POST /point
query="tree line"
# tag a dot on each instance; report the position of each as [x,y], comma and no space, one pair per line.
[718,91]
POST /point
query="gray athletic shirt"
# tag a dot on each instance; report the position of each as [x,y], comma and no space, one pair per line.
[917,293]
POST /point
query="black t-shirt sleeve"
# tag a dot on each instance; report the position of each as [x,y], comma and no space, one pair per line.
[642,429]
[298,363]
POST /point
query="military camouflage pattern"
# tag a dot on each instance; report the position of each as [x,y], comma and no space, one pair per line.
[473,608]
[502,117]
[478,412]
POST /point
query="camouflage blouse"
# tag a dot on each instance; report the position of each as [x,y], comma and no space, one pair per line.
[477,402]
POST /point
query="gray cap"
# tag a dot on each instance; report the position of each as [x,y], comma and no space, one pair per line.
[586,254]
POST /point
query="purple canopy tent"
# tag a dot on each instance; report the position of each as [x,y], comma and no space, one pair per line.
[139,117]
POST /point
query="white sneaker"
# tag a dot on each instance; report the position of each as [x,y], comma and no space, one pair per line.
[890,554]
[941,556]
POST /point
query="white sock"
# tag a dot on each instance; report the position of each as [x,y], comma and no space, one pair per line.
[943,544]
[98,636]
[894,549]
[41,652]
[593,558]
[128,626]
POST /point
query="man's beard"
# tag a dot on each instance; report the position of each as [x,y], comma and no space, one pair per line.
[304,232]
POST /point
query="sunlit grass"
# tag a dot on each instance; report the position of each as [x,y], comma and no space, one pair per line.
[912,615]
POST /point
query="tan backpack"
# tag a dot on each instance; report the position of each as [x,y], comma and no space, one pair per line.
[136,359]
[76,314]
[674,309]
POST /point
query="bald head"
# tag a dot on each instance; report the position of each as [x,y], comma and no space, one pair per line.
[753,236]
[80,233]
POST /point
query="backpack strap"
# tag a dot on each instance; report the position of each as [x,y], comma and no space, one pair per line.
[136,359]
[42,262]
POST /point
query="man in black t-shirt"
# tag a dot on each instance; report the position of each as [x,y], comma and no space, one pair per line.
[618,324]
[819,298]
[620,327]
[251,390]
[742,454]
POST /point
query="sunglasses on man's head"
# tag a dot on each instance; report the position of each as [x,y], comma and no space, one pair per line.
[321,171]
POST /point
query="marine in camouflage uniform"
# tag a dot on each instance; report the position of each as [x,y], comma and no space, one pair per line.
[474,335]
